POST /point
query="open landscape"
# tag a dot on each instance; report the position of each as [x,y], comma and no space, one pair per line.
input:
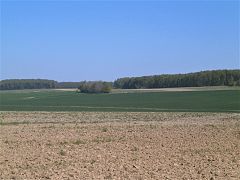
[119,90]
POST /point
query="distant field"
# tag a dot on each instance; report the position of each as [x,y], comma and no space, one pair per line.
[51,100]
[178,89]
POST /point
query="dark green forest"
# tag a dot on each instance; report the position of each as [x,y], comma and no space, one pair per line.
[12,84]
[197,79]
[66,85]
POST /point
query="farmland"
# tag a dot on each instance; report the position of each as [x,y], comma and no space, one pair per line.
[119,145]
[119,90]
[182,133]
[190,100]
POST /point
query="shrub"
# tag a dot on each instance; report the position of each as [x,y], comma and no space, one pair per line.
[95,87]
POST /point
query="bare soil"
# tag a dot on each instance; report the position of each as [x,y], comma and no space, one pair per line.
[98,145]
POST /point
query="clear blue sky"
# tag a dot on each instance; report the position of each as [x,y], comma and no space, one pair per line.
[80,40]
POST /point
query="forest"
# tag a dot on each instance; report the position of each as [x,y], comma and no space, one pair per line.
[68,85]
[197,79]
[13,84]
[83,86]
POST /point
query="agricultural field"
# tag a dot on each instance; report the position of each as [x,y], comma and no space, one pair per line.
[179,133]
[119,145]
[221,99]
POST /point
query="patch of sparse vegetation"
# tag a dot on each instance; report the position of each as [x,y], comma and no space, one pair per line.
[48,126]
[102,140]
[92,161]
[134,148]
[63,143]
[108,139]
[104,129]
[121,139]
[51,126]
[48,144]
[77,142]
[152,126]
[108,177]
[2,123]
[63,153]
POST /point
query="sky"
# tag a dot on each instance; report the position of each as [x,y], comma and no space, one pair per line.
[106,40]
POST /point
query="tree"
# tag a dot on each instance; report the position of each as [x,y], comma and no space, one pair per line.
[95,87]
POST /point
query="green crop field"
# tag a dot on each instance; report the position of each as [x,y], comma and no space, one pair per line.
[52,100]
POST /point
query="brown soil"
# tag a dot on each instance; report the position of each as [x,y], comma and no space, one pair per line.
[87,145]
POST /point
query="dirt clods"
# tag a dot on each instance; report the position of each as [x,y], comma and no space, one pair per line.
[102,145]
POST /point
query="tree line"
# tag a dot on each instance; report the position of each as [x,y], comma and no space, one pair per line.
[13,84]
[83,86]
[197,79]
[68,85]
